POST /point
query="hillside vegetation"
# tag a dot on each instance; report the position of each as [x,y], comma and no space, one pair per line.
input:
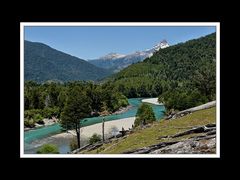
[183,75]
[149,136]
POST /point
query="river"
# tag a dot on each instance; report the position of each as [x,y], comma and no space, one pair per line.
[35,138]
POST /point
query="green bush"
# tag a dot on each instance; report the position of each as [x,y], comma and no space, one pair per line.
[48,149]
[38,119]
[73,144]
[117,100]
[30,123]
[29,114]
[144,115]
[182,99]
[95,138]
[51,112]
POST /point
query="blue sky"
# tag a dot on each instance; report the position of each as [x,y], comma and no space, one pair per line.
[93,42]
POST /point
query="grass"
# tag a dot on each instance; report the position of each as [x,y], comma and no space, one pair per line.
[149,136]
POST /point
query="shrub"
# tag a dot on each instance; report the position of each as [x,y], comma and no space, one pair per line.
[48,149]
[144,115]
[51,112]
[73,144]
[29,123]
[38,119]
[95,138]
[29,114]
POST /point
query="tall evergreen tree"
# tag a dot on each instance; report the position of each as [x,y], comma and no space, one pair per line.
[76,108]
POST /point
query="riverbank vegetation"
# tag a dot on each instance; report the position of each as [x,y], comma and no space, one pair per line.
[48,100]
[48,149]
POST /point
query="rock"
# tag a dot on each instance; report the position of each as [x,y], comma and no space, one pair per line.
[210,125]
[202,144]
[162,137]
[189,146]
[148,149]
[211,132]
[199,129]
[194,130]
[80,149]
[48,122]
[38,125]
[27,129]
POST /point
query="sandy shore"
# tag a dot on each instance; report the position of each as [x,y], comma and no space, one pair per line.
[152,101]
[88,131]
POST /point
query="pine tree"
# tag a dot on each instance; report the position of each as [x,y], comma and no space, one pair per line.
[76,108]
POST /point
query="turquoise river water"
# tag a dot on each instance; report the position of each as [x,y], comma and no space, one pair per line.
[32,137]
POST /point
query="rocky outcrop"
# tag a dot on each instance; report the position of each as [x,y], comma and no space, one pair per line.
[205,143]
[149,149]
[200,129]
[197,145]
[191,110]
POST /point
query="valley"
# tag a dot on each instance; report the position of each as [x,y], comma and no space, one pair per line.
[120,103]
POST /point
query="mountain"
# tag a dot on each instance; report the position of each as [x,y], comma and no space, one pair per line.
[43,63]
[116,62]
[182,75]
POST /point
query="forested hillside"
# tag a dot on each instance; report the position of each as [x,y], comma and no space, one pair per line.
[42,63]
[183,75]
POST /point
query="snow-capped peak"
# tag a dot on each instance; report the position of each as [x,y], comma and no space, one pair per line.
[112,56]
[163,44]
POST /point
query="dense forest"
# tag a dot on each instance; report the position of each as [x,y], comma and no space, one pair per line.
[48,100]
[183,75]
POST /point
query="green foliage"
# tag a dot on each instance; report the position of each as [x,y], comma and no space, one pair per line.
[95,138]
[181,99]
[52,97]
[182,75]
[77,107]
[117,101]
[30,123]
[48,149]
[29,114]
[38,119]
[51,112]
[144,115]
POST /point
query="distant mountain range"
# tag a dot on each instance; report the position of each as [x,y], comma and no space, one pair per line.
[43,63]
[116,62]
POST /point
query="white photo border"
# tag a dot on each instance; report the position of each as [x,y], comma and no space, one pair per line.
[215,24]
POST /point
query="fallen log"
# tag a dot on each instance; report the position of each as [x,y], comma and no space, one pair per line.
[200,129]
[191,131]
[80,149]
[191,110]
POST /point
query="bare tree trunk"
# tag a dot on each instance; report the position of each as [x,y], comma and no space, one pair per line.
[78,135]
[103,120]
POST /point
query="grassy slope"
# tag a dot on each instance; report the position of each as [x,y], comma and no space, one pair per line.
[146,137]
